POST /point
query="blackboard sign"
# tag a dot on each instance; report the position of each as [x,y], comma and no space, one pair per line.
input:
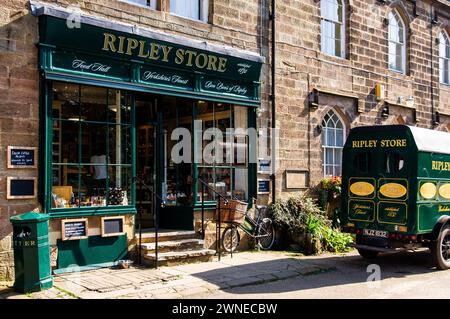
[263,186]
[20,188]
[21,157]
[112,226]
[74,229]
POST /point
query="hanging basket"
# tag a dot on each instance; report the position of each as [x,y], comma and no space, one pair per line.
[231,212]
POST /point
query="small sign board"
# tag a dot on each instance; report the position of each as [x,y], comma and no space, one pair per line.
[20,187]
[296,179]
[21,157]
[263,186]
[113,226]
[263,166]
[73,229]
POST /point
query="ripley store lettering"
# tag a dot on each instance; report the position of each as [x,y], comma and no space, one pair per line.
[161,52]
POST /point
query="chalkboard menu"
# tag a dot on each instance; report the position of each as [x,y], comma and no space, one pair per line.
[263,186]
[20,188]
[112,226]
[21,157]
[74,229]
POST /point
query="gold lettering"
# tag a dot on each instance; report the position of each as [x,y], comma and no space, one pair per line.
[179,56]
[212,60]
[190,55]
[108,44]
[131,45]
[154,51]
[222,65]
[197,61]
[166,51]
[141,50]
[121,41]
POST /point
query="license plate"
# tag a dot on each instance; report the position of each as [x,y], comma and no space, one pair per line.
[375,233]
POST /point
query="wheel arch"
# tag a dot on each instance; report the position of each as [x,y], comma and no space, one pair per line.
[443,221]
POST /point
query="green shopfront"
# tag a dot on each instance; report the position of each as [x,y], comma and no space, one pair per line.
[111,97]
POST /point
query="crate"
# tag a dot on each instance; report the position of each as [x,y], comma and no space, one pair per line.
[231,212]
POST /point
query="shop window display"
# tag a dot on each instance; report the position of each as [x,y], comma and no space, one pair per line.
[91,158]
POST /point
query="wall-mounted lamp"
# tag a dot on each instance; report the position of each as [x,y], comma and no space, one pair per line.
[386,22]
[318,129]
[313,99]
[410,101]
[385,111]
[435,18]
[382,1]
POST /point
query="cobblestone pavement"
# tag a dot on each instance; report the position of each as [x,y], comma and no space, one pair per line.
[183,281]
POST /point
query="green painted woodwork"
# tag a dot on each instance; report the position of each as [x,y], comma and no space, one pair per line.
[133,62]
[90,251]
[396,199]
[31,252]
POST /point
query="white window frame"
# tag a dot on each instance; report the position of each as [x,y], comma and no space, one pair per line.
[342,24]
[399,18]
[203,11]
[330,113]
[444,40]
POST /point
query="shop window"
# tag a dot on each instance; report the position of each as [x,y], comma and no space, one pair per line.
[91,147]
[192,9]
[333,138]
[397,42]
[363,162]
[224,168]
[393,163]
[444,58]
[333,27]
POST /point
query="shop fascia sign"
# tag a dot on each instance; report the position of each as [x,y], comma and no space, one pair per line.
[101,42]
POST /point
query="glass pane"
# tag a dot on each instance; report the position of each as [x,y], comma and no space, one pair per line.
[329,156]
[223,181]
[207,174]
[119,100]
[240,183]
[120,185]
[186,8]
[66,101]
[94,142]
[331,137]
[93,103]
[339,137]
[338,156]
[68,135]
[65,186]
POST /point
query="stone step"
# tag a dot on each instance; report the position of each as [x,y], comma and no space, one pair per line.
[173,245]
[171,235]
[180,257]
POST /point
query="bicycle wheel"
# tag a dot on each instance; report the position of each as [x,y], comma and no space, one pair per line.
[230,239]
[266,234]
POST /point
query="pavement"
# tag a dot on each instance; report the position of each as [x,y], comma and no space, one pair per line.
[259,275]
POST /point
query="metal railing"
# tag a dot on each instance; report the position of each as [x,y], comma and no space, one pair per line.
[162,204]
[219,222]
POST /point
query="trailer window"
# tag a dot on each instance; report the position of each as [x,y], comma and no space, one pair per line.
[393,162]
[363,162]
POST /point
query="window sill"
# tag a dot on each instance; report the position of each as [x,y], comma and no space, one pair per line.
[202,25]
[137,4]
[91,211]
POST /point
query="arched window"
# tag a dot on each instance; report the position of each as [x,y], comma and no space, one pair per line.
[397,42]
[333,138]
[444,58]
[333,27]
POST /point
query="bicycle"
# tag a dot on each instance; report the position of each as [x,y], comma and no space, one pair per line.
[261,229]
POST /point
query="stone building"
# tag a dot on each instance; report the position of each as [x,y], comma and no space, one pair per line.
[338,64]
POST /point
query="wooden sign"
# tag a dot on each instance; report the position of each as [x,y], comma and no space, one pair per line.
[21,187]
[73,229]
[113,226]
[296,179]
[263,186]
[21,157]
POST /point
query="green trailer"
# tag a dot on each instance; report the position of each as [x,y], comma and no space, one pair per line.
[396,190]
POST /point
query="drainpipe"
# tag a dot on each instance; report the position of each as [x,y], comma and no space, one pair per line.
[433,115]
[272,99]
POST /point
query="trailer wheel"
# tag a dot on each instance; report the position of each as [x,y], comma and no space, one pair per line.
[368,254]
[440,249]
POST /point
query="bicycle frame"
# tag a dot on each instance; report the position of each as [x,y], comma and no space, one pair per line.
[250,226]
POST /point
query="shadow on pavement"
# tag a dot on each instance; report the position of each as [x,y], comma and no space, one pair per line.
[315,271]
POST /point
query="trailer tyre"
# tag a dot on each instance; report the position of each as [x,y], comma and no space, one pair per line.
[368,254]
[440,249]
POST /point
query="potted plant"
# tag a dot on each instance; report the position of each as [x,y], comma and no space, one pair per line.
[329,191]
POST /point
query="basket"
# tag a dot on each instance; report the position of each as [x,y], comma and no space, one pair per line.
[231,212]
